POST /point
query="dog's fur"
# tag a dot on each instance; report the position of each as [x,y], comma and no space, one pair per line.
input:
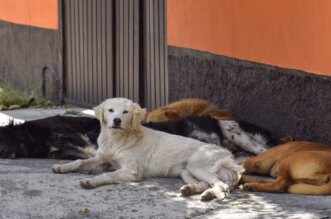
[187,107]
[300,167]
[138,152]
[202,128]
[58,137]
[237,136]
[64,137]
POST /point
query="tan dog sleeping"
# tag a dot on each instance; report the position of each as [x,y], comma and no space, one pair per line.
[185,108]
[300,167]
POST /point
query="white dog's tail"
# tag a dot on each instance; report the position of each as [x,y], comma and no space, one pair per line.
[227,163]
[228,171]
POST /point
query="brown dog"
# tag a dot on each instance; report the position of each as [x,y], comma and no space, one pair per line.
[187,107]
[300,167]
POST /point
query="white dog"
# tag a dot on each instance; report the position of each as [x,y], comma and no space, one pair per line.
[137,152]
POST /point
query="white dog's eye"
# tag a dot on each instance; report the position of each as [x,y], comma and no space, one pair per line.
[111,110]
[125,111]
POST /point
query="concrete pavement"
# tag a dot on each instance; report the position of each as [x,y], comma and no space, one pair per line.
[29,189]
[21,115]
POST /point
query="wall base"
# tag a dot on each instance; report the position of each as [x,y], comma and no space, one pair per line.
[29,59]
[284,101]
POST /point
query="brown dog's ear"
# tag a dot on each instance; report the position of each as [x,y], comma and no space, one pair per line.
[139,115]
[172,114]
[98,110]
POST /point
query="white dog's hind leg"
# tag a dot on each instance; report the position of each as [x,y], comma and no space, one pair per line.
[118,176]
[195,188]
[188,178]
[93,164]
[218,187]
[193,185]
[219,191]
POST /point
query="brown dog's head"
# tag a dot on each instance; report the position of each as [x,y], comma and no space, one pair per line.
[119,114]
[163,114]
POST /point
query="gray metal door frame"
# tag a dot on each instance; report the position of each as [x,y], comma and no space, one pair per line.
[113,48]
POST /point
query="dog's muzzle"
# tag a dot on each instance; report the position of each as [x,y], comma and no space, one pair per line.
[117,124]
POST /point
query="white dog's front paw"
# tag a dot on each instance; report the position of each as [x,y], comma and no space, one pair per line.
[186,190]
[57,168]
[87,184]
[208,195]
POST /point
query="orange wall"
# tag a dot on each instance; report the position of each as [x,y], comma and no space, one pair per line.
[39,13]
[287,33]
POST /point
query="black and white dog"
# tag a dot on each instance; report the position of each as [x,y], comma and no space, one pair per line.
[58,137]
[237,136]
[63,137]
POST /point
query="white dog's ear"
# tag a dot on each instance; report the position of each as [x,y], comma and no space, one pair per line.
[139,115]
[98,110]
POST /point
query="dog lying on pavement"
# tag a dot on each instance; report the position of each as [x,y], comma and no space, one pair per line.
[58,137]
[137,152]
[64,137]
[187,107]
[237,136]
[300,167]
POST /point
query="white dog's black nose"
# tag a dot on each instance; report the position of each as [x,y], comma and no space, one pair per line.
[117,121]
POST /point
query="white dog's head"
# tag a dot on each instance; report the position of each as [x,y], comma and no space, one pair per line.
[120,114]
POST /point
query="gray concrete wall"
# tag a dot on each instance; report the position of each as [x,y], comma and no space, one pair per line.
[285,102]
[26,53]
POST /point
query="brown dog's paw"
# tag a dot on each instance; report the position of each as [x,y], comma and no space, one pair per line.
[248,187]
[86,184]
[286,139]
[186,190]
